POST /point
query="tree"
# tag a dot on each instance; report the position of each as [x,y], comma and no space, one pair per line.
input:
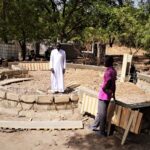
[24,22]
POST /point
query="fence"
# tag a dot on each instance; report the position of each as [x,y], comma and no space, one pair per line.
[9,51]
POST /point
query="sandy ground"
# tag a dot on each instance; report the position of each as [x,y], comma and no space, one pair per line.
[76,77]
[67,139]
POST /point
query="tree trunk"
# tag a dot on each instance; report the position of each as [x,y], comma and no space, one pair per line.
[111,40]
[4,16]
[37,49]
[23,50]
[101,51]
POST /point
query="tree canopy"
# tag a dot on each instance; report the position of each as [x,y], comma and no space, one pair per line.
[84,20]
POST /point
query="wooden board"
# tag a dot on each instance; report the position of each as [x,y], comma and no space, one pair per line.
[136,113]
[137,128]
[83,103]
[15,80]
[117,115]
[124,118]
[42,124]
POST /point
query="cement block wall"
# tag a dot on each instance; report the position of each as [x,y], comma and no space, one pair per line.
[8,51]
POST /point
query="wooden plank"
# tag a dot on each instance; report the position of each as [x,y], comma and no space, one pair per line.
[86,103]
[96,107]
[35,66]
[89,104]
[117,115]
[136,113]
[38,66]
[42,66]
[127,129]
[138,123]
[124,118]
[134,105]
[29,65]
[47,66]
[15,80]
[110,113]
[42,124]
[110,110]
[93,106]
[83,103]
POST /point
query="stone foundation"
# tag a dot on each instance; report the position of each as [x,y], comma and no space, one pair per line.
[35,102]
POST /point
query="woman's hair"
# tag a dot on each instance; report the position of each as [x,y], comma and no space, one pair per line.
[109,61]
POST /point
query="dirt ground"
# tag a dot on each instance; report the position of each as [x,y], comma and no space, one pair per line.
[67,139]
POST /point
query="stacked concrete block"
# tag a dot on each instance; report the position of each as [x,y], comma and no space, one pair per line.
[74,97]
[2,94]
[64,98]
[12,99]
[44,102]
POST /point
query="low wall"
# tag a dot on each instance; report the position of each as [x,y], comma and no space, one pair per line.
[37,102]
[44,66]
[144,82]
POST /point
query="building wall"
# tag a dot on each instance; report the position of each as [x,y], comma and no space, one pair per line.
[9,51]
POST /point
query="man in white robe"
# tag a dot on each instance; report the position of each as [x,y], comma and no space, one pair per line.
[57,67]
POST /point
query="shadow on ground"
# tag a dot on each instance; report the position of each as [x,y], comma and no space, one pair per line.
[93,142]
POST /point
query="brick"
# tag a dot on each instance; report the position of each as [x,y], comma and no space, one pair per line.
[2,94]
[12,104]
[28,98]
[74,97]
[5,104]
[61,99]
[42,107]
[12,96]
[42,99]
[27,106]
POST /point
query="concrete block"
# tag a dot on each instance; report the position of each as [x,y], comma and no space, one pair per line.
[74,97]
[61,106]
[2,94]
[42,107]
[1,102]
[12,96]
[12,104]
[64,98]
[27,106]
[5,103]
[45,99]
[28,98]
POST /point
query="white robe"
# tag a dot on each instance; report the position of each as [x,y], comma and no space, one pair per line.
[58,63]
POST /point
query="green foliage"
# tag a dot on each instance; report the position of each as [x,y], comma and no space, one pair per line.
[85,20]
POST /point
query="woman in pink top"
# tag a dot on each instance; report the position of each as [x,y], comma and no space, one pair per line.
[106,92]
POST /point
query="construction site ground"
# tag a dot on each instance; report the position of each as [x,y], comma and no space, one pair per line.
[67,139]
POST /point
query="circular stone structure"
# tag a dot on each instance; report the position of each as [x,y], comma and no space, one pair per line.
[32,93]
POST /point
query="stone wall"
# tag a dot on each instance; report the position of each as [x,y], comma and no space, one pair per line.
[144,82]
[44,66]
[37,102]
